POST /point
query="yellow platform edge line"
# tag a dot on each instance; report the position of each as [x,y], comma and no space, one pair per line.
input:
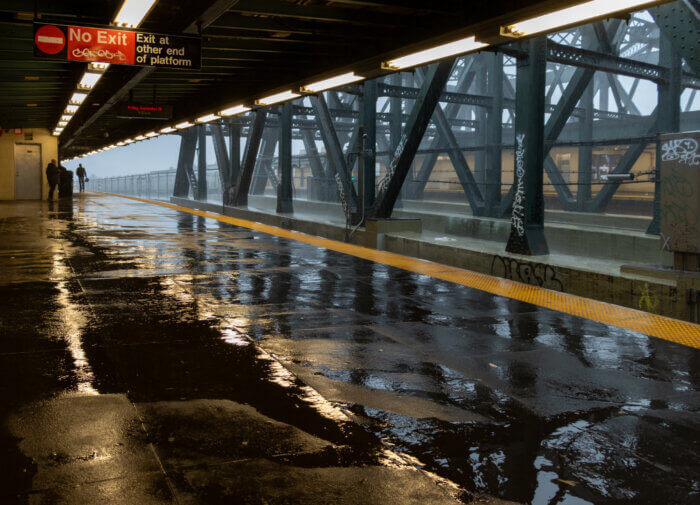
[666,328]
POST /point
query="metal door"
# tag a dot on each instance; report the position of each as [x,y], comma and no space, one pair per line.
[27,172]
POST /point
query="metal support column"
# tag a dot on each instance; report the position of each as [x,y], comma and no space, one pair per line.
[585,152]
[346,191]
[428,97]
[459,162]
[368,122]
[669,117]
[284,190]
[234,158]
[184,177]
[494,136]
[527,220]
[245,175]
[221,154]
[202,163]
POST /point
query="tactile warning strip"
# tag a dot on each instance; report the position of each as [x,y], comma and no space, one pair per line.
[666,328]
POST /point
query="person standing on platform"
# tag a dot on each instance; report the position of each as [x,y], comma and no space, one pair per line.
[52,176]
[80,172]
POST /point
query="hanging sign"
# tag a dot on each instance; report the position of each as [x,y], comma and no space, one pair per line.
[117,46]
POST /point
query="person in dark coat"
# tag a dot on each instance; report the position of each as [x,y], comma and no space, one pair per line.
[80,172]
[52,176]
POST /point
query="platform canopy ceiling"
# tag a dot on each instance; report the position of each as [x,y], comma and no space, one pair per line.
[249,47]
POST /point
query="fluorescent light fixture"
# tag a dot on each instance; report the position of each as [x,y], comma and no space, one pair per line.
[132,12]
[96,65]
[89,80]
[121,143]
[62,123]
[232,111]
[332,82]
[207,118]
[168,129]
[277,98]
[128,141]
[150,135]
[66,117]
[56,133]
[576,14]
[78,98]
[71,109]
[183,125]
[140,137]
[58,129]
[434,53]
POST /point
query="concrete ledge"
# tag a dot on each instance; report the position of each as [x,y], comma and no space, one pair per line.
[618,238]
[667,295]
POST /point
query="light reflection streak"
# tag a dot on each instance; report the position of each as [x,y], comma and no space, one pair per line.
[74,320]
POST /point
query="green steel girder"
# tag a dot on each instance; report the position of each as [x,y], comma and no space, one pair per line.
[184,177]
[459,162]
[428,98]
[337,163]
[263,166]
[601,200]
[202,163]
[679,22]
[234,156]
[284,190]
[527,217]
[464,81]
[240,197]
[222,161]
[368,122]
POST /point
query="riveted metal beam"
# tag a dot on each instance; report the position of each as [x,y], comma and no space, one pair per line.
[346,191]
[250,155]
[527,219]
[428,98]
[459,162]
[284,190]
[222,162]
[184,176]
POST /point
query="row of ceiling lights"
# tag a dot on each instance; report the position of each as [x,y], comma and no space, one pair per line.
[545,23]
[130,15]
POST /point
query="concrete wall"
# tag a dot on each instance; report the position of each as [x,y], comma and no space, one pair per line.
[49,150]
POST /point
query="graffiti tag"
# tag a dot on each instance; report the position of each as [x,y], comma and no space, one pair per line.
[536,274]
[681,150]
[518,217]
[648,301]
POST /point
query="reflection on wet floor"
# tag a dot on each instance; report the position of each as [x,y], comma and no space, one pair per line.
[209,363]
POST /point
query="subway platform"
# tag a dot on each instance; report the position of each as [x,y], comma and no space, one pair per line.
[151,354]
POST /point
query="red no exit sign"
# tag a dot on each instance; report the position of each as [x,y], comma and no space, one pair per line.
[116,46]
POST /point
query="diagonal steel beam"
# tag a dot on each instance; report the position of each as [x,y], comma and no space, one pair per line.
[601,200]
[451,110]
[346,191]
[263,166]
[184,176]
[427,100]
[464,173]
[222,161]
[240,196]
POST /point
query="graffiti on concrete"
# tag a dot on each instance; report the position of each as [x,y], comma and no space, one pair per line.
[648,301]
[536,274]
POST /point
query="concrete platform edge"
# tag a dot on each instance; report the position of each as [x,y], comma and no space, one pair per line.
[652,295]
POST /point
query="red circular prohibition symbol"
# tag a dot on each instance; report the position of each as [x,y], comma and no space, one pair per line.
[50,39]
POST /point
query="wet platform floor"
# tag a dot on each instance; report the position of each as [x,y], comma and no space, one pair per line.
[154,356]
